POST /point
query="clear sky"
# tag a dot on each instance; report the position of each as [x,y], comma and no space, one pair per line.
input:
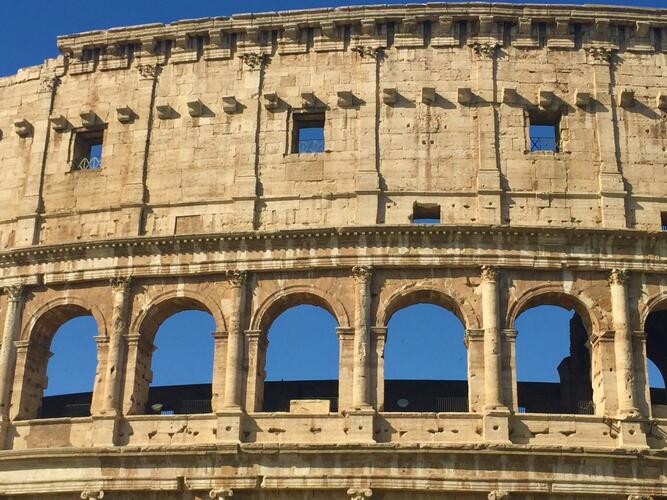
[30,27]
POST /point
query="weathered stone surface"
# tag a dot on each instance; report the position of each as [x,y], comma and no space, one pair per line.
[203,202]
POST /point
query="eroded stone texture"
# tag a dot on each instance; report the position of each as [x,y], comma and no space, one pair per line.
[204,201]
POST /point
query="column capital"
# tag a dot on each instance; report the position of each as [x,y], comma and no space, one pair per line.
[14,292]
[221,493]
[362,274]
[499,495]
[379,331]
[488,274]
[345,332]
[220,335]
[120,283]
[473,335]
[359,493]
[618,276]
[236,278]
[92,494]
[510,334]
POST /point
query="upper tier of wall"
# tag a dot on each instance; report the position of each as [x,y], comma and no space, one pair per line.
[198,122]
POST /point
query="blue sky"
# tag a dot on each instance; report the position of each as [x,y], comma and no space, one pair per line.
[30,27]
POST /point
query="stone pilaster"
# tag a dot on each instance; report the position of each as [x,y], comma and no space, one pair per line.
[360,392]
[234,370]
[474,342]
[219,368]
[625,377]
[345,367]
[8,354]
[378,340]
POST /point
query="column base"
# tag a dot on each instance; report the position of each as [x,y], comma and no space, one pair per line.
[495,426]
[631,434]
[105,429]
[359,425]
[229,425]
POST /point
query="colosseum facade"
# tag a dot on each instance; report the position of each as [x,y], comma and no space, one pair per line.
[209,195]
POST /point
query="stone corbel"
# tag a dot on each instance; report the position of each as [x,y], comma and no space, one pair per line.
[23,128]
[466,96]
[510,96]
[230,105]
[359,493]
[115,58]
[429,96]
[165,111]
[271,101]
[626,98]
[582,98]
[89,118]
[546,99]
[125,115]
[310,101]
[180,52]
[60,123]
[662,101]
[601,35]
[196,108]
[390,96]
[345,99]
[329,37]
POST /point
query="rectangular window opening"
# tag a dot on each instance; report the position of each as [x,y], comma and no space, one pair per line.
[427,30]
[544,131]
[663,220]
[87,150]
[391,33]
[463,33]
[578,36]
[308,133]
[507,34]
[541,34]
[426,213]
[657,39]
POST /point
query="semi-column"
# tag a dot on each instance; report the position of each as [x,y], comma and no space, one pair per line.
[492,346]
[362,311]
[119,323]
[8,353]
[233,371]
[625,379]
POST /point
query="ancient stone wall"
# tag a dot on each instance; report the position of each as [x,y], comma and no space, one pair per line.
[204,200]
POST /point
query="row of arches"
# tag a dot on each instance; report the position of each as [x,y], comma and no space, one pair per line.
[425,358]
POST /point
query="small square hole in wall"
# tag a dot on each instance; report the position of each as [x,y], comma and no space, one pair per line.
[308,133]
[87,153]
[663,220]
[426,213]
[544,130]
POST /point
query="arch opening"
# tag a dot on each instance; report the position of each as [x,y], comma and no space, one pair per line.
[174,330]
[301,360]
[553,361]
[62,355]
[425,358]
[656,354]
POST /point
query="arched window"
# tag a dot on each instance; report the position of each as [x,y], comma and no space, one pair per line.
[656,352]
[70,373]
[425,360]
[182,364]
[301,358]
[553,363]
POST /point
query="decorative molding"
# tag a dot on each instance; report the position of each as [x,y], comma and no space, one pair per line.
[221,493]
[499,495]
[252,59]
[149,70]
[599,54]
[359,493]
[485,50]
[92,494]
[236,278]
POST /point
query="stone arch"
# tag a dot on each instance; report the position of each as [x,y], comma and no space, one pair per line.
[653,304]
[424,294]
[294,295]
[553,295]
[37,334]
[45,321]
[161,306]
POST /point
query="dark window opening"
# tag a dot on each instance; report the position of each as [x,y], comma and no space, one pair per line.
[541,31]
[87,150]
[197,43]
[347,35]
[391,32]
[621,36]
[506,34]
[657,39]
[428,32]
[577,35]
[544,131]
[462,28]
[310,38]
[308,133]
[663,220]
[164,47]
[426,213]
